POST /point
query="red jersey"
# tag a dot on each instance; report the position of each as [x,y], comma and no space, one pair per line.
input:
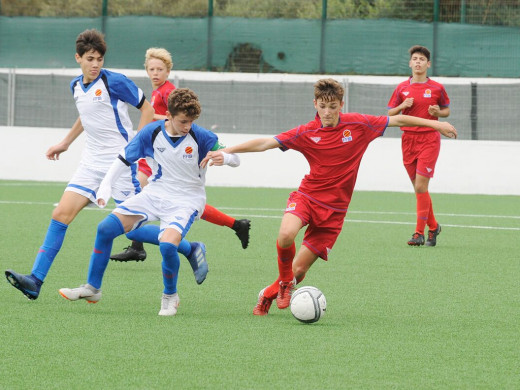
[424,95]
[334,155]
[160,97]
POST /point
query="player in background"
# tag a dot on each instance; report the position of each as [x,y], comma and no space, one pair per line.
[424,98]
[158,64]
[102,98]
[175,196]
[333,144]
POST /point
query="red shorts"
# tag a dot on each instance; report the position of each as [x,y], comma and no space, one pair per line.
[144,167]
[324,225]
[420,152]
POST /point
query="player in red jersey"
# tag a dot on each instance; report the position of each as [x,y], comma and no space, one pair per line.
[333,144]
[424,98]
[158,64]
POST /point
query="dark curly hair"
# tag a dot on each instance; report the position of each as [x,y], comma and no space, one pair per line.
[186,101]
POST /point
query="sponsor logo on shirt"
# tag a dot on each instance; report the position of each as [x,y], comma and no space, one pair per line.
[429,170]
[316,139]
[291,206]
[125,193]
[97,96]
[161,149]
[188,153]
[428,93]
[406,93]
[347,136]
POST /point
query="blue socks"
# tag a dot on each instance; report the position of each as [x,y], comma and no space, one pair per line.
[107,230]
[170,266]
[150,234]
[48,251]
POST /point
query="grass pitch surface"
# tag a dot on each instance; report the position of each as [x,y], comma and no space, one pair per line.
[397,317]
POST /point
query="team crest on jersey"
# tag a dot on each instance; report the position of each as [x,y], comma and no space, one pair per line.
[428,93]
[347,136]
[188,153]
[291,206]
[316,139]
[97,96]
[406,93]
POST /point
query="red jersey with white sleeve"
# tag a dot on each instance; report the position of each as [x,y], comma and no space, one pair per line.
[334,155]
[160,97]
[424,95]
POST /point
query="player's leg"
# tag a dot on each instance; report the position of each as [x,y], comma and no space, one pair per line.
[240,226]
[70,205]
[285,247]
[303,262]
[135,251]
[170,270]
[428,149]
[111,227]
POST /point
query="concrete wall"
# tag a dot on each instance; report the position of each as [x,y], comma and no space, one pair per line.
[464,167]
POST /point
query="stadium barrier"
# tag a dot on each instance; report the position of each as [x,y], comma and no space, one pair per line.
[464,167]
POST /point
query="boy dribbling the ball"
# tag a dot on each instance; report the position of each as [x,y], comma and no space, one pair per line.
[333,144]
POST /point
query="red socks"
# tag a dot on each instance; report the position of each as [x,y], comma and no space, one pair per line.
[285,258]
[211,214]
[424,213]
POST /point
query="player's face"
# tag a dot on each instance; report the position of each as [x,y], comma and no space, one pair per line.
[157,72]
[91,63]
[328,111]
[180,124]
[419,63]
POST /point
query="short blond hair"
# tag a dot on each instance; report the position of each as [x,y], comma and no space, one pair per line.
[158,53]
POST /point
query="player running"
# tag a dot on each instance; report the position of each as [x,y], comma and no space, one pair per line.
[158,64]
[422,97]
[333,144]
[102,98]
[175,195]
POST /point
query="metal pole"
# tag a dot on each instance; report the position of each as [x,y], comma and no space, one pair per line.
[474,112]
[322,41]
[209,59]
[436,7]
[104,13]
[463,11]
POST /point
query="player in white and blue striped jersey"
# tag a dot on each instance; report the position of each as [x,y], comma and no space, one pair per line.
[175,195]
[102,98]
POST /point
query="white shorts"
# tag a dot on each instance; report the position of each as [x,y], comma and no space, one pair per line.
[86,181]
[171,213]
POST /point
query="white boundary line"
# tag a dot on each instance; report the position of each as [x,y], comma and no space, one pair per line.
[347,220]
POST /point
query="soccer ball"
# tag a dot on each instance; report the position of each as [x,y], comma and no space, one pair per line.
[308,304]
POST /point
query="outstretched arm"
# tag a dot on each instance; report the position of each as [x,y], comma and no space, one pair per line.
[445,128]
[254,145]
[53,153]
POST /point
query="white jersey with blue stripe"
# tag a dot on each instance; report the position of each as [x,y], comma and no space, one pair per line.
[103,110]
[176,173]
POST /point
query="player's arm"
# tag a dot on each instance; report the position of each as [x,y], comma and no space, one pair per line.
[118,167]
[255,145]
[439,112]
[444,128]
[407,103]
[53,153]
[147,114]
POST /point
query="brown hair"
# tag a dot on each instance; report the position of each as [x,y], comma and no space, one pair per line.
[91,40]
[419,49]
[328,90]
[186,101]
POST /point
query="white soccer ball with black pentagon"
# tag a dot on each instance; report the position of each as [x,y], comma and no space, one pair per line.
[308,304]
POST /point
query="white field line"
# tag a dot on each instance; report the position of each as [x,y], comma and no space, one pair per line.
[348,219]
